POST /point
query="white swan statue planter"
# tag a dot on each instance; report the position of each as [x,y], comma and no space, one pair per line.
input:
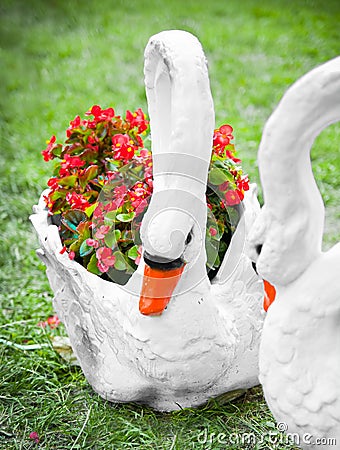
[300,346]
[206,342]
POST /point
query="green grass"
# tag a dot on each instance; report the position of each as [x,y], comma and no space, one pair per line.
[57,59]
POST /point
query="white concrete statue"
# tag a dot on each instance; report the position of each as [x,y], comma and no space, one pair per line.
[300,346]
[206,342]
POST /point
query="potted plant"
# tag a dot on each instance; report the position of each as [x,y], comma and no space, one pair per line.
[102,183]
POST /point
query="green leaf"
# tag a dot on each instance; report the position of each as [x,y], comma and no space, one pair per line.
[92,265]
[74,247]
[216,237]
[211,248]
[127,235]
[101,130]
[125,217]
[88,155]
[90,209]
[83,229]
[118,234]
[233,216]
[69,181]
[221,228]
[119,276]
[85,249]
[111,215]
[60,193]
[110,240]
[218,176]
[91,196]
[113,165]
[112,237]
[230,148]
[90,173]
[133,252]
[58,206]
[56,150]
[120,263]
[71,219]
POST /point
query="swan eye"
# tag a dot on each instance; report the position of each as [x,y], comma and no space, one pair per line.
[258,249]
[188,239]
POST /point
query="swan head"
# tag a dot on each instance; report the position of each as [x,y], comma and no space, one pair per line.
[173,236]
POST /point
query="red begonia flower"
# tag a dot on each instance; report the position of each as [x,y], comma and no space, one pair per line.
[102,231]
[240,194]
[231,198]
[53,183]
[100,114]
[231,156]
[77,201]
[137,119]
[71,162]
[243,183]
[224,186]
[98,213]
[123,147]
[222,137]
[75,123]
[92,243]
[47,153]
[105,258]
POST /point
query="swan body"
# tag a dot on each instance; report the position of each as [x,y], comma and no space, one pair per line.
[300,347]
[206,342]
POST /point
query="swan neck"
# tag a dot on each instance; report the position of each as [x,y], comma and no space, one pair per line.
[180,108]
[291,197]
[182,120]
[309,106]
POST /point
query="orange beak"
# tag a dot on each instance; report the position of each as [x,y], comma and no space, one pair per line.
[157,288]
[269,294]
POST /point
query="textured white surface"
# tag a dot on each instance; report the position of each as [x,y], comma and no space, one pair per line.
[206,342]
[300,346]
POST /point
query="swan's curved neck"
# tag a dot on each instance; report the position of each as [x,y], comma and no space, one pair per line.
[182,124]
[290,191]
[181,110]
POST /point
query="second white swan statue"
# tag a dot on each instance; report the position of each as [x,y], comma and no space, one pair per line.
[206,342]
